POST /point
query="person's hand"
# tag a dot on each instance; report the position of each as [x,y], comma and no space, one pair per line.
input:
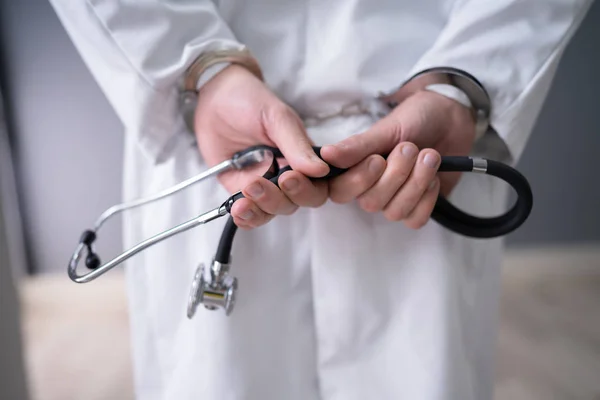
[235,110]
[405,186]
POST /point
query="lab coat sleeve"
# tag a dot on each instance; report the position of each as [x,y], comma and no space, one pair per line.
[513,48]
[138,51]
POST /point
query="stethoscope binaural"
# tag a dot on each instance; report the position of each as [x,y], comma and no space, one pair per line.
[215,288]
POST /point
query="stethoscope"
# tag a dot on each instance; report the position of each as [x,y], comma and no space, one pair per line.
[216,289]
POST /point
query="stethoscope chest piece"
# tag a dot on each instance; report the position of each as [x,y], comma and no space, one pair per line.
[214,288]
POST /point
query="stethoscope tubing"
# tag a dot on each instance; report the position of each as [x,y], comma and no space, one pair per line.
[468,225]
[444,213]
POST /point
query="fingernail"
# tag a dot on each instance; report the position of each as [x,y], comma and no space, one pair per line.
[313,157]
[375,165]
[430,160]
[408,151]
[432,185]
[290,184]
[255,190]
[247,215]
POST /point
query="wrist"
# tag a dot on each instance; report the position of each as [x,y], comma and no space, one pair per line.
[210,63]
[413,86]
[452,83]
[206,67]
[210,73]
[451,92]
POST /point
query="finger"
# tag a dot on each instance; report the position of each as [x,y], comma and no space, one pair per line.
[285,129]
[406,199]
[399,167]
[381,138]
[422,212]
[267,196]
[302,191]
[356,180]
[247,215]
[235,180]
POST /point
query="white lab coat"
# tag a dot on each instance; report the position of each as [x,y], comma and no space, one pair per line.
[334,303]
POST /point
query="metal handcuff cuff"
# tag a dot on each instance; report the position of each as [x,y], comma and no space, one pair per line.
[216,289]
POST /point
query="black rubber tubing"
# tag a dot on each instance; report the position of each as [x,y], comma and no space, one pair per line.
[465,224]
[226,242]
[444,212]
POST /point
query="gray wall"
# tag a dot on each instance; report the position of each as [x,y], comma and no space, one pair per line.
[66,137]
[13,383]
[9,203]
[68,140]
[561,157]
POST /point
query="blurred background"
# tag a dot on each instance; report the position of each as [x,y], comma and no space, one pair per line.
[63,341]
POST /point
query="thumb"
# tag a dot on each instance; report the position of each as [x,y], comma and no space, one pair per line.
[286,130]
[379,139]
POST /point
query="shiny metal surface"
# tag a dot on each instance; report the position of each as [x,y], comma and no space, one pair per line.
[242,161]
[218,272]
[479,165]
[230,298]
[213,288]
[202,219]
[217,169]
[196,291]
[251,158]
[477,94]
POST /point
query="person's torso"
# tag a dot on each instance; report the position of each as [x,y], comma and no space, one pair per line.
[320,56]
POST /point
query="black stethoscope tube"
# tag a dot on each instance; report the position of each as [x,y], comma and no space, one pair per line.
[465,224]
[443,213]
[226,242]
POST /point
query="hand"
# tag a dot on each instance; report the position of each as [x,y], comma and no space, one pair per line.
[235,110]
[405,186]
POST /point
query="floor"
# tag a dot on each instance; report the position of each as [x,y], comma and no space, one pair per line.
[549,344]
[77,346]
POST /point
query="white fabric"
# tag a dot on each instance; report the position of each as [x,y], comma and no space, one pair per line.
[450,91]
[334,303]
[210,73]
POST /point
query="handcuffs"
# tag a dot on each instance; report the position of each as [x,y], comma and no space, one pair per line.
[216,289]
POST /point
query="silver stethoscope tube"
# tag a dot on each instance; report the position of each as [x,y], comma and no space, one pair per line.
[217,169]
[201,219]
[236,163]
